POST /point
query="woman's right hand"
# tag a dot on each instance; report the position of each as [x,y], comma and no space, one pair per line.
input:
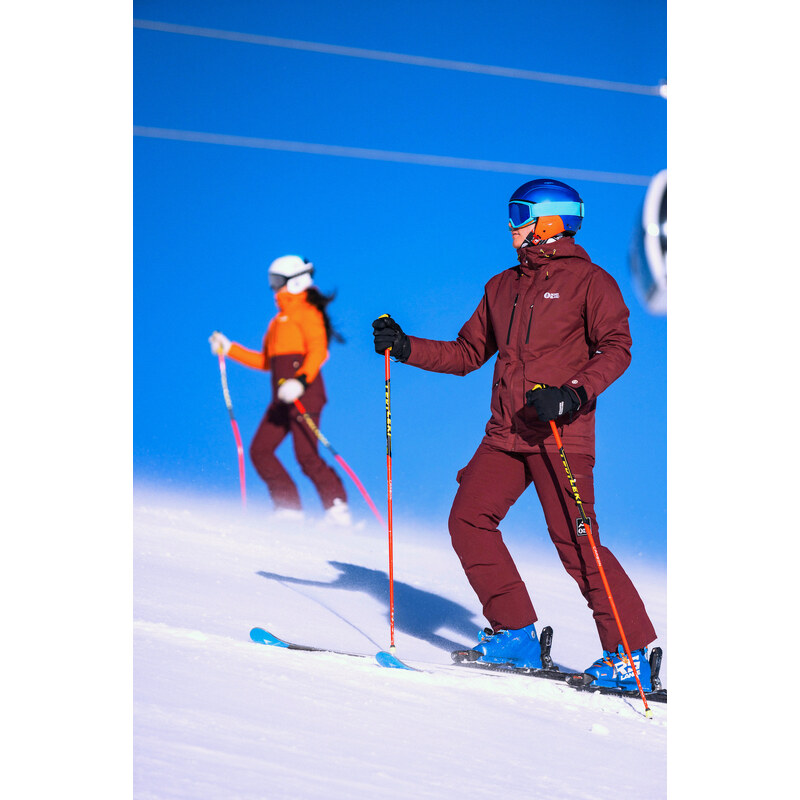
[219,343]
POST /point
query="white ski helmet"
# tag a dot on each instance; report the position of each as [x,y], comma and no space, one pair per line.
[293,272]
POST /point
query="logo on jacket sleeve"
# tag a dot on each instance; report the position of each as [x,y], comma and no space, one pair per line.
[551,295]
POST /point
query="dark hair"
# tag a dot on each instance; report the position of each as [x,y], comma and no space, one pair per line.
[320,301]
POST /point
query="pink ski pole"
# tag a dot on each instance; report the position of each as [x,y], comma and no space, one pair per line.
[318,433]
[239,449]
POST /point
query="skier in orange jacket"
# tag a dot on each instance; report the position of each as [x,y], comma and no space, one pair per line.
[294,349]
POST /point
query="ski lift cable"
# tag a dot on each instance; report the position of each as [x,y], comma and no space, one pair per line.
[391,155]
[403,58]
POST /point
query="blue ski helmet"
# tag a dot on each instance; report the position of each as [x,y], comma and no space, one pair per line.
[555,207]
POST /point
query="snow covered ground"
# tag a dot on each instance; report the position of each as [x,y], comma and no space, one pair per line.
[216,716]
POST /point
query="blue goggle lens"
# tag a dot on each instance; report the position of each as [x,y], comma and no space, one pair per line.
[520,214]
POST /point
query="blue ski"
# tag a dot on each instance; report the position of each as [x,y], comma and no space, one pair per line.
[464,659]
[383,658]
[390,660]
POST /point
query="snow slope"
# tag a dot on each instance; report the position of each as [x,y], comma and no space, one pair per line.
[216,716]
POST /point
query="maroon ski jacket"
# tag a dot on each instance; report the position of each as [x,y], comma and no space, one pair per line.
[556,319]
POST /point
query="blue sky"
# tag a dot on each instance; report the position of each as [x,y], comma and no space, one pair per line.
[207,220]
[404,234]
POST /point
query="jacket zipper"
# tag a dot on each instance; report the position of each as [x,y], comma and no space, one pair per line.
[511,321]
[530,319]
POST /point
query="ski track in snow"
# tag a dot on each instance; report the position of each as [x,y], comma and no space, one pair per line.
[217,716]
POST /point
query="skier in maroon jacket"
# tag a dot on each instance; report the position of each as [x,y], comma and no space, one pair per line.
[559,326]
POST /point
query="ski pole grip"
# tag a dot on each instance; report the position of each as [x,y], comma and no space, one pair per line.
[382,316]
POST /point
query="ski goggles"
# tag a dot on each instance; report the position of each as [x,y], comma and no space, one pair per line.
[277,282]
[522,213]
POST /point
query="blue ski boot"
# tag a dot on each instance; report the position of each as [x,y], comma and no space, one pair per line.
[518,648]
[613,669]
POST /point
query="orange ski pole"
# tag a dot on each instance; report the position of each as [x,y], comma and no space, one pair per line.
[585,520]
[389,497]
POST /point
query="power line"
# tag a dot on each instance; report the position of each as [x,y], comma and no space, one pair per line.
[390,155]
[401,58]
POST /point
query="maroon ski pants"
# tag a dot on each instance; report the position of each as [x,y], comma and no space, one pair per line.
[279,420]
[488,486]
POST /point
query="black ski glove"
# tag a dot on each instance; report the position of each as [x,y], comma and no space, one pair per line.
[388,334]
[551,402]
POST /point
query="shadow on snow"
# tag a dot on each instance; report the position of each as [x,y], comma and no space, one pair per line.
[417,613]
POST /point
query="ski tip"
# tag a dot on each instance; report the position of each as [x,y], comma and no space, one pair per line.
[260,636]
[391,661]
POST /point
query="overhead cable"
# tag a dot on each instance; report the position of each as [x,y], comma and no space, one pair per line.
[391,155]
[401,58]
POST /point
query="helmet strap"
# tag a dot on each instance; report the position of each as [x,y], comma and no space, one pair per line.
[531,238]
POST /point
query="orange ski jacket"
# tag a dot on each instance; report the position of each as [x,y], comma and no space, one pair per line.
[297,329]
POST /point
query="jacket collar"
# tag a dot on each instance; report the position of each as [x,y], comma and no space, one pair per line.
[536,256]
[285,300]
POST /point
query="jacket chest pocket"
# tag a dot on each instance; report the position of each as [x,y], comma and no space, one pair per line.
[529,327]
[552,319]
[517,324]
